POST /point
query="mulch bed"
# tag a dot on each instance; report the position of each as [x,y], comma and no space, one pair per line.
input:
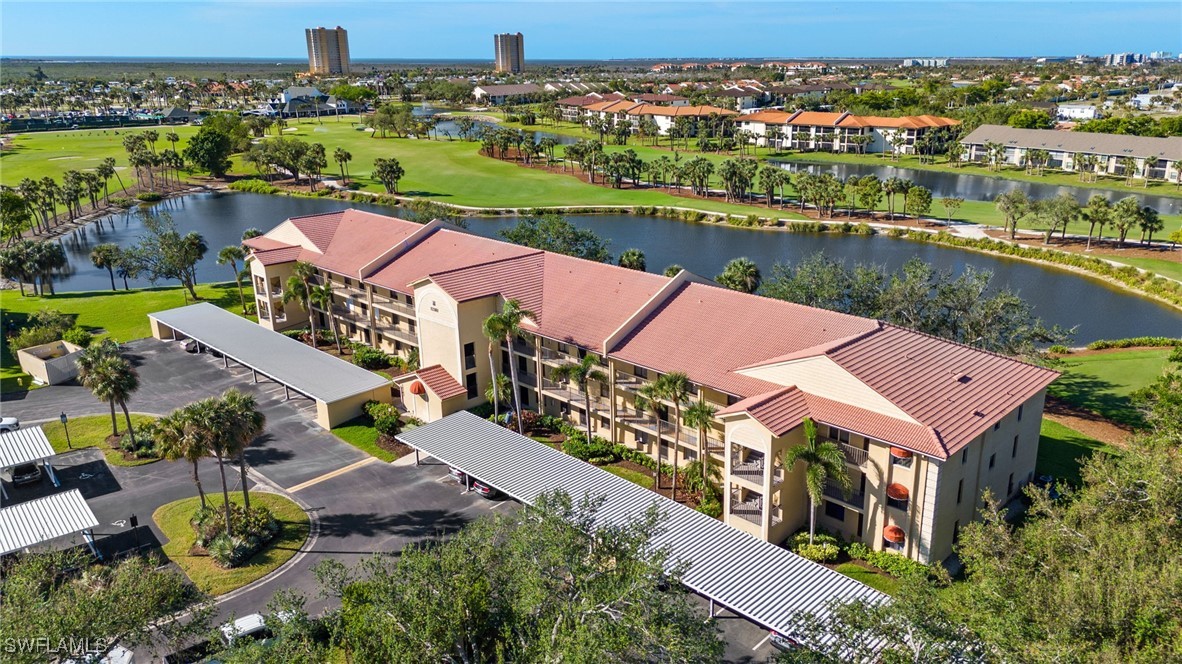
[687,499]
[1106,248]
[391,444]
[113,443]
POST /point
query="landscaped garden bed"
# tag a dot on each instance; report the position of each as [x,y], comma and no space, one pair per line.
[277,525]
[95,431]
[374,431]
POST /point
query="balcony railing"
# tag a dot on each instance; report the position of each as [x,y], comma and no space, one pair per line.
[555,358]
[751,510]
[346,314]
[570,392]
[398,307]
[522,347]
[628,380]
[854,455]
[857,499]
[399,334]
[751,469]
[527,379]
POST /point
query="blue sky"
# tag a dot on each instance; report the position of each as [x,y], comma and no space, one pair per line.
[604,29]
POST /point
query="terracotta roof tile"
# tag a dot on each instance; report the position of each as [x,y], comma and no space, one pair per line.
[779,410]
[441,251]
[281,255]
[439,381]
[263,243]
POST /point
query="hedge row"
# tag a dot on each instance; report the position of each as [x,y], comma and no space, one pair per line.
[1132,342]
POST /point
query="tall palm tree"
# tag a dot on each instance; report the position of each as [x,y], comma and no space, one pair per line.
[321,296]
[342,157]
[648,398]
[299,288]
[823,463]
[113,379]
[106,255]
[88,359]
[741,274]
[229,255]
[498,392]
[176,439]
[511,316]
[493,329]
[580,373]
[676,388]
[210,419]
[699,415]
[246,423]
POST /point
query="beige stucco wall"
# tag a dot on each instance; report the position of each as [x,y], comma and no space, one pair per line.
[329,415]
[295,314]
[36,362]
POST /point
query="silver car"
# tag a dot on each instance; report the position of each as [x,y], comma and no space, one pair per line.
[9,424]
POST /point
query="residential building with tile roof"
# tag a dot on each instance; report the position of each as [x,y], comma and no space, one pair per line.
[1153,157]
[840,132]
[916,416]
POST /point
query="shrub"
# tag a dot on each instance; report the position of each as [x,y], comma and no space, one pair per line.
[896,564]
[150,196]
[121,201]
[857,550]
[818,553]
[254,186]
[388,425]
[1060,349]
[1133,342]
[710,507]
[369,358]
[1176,354]
[899,232]
[78,337]
[598,451]
[529,419]
[484,410]
[33,336]
[253,529]
[376,409]
[801,538]
[864,228]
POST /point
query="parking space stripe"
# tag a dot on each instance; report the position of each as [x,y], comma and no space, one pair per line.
[328,476]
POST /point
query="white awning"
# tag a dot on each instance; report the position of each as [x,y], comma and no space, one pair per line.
[28,445]
[44,519]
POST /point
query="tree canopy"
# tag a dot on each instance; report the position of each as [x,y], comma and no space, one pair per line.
[553,232]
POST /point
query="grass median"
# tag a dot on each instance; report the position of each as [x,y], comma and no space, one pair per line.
[173,520]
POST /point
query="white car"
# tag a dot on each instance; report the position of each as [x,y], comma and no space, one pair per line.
[9,424]
[253,626]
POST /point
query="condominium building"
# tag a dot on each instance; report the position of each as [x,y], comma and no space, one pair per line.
[1153,157]
[510,52]
[840,132]
[328,50]
[926,426]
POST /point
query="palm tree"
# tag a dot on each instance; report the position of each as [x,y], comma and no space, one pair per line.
[633,259]
[113,379]
[229,255]
[676,388]
[579,373]
[88,359]
[245,423]
[299,289]
[699,415]
[106,255]
[342,157]
[211,423]
[494,330]
[176,439]
[741,274]
[511,316]
[823,463]
[499,391]
[648,398]
[321,296]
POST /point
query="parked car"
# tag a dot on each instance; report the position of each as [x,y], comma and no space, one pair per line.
[9,424]
[485,490]
[781,642]
[253,626]
[457,474]
[190,345]
[26,473]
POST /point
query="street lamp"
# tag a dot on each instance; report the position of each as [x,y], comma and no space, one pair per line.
[65,423]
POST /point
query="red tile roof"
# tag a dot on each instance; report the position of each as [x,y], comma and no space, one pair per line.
[355,239]
[779,410]
[263,243]
[441,251]
[284,254]
[439,381]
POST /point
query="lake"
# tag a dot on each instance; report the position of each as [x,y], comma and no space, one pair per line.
[1059,297]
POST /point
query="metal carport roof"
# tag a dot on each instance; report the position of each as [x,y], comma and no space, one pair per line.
[759,580]
[28,445]
[287,361]
[41,520]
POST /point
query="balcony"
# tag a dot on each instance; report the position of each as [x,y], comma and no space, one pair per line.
[628,380]
[522,347]
[393,306]
[751,468]
[571,393]
[636,419]
[349,315]
[555,358]
[339,288]
[752,510]
[399,334]
[856,500]
[853,455]
[528,379]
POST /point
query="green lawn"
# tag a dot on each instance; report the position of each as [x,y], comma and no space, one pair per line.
[92,431]
[173,521]
[877,580]
[51,153]
[633,476]
[121,315]
[1062,451]
[359,433]
[1166,268]
[1101,383]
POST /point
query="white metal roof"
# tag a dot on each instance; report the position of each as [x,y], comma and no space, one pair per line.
[24,446]
[36,521]
[285,360]
[764,582]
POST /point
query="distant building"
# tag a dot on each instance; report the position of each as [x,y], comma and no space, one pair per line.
[328,50]
[1161,55]
[1153,157]
[510,52]
[1076,112]
[500,94]
[1122,59]
[925,62]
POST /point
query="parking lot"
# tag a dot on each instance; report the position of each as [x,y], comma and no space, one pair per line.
[359,505]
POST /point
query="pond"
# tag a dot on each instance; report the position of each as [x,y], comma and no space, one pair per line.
[1059,297]
[973,187]
[446,126]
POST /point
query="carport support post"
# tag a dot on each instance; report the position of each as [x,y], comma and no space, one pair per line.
[286,393]
[225,361]
[711,607]
[256,375]
[89,535]
[416,456]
